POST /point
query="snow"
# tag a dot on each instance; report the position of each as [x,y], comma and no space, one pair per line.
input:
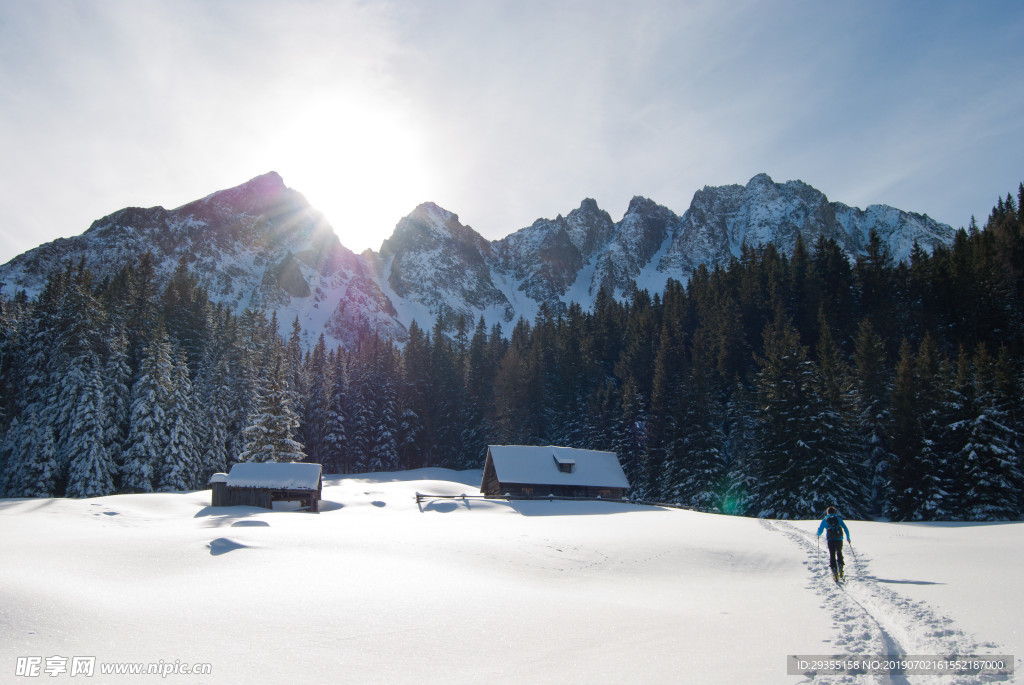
[380,589]
[583,289]
[539,465]
[287,475]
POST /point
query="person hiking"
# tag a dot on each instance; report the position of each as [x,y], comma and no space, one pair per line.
[835,526]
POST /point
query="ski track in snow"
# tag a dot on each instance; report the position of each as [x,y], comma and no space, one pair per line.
[871,619]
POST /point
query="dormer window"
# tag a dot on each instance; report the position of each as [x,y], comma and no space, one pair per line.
[565,465]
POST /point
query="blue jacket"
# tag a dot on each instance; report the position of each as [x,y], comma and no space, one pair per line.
[824,525]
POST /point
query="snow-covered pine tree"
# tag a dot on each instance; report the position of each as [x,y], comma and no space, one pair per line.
[296,371]
[448,397]
[32,458]
[273,423]
[117,393]
[179,469]
[78,343]
[317,405]
[336,439]
[873,391]
[918,473]
[841,474]
[13,328]
[699,442]
[989,462]
[742,461]
[148,433]
[91,467]
[253,357]
[359,428]
[904,486]
[632,444]
[789,457]
[941,412]
[511,401]
[1009,403]
[11,457]
[213,410]
[664,413]
[414,437]
[387,371]
[479,374]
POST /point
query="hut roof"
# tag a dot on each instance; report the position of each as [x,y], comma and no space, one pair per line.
[275,474]
[540,465]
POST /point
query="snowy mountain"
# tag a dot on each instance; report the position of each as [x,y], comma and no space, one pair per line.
[259,245]
[262,246]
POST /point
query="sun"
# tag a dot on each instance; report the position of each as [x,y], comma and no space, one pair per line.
[358,161]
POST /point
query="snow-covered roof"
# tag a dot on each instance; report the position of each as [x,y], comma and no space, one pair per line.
[219,478]
[275,474]
[540,465]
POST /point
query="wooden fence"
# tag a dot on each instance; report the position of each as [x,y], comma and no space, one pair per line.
[423,496]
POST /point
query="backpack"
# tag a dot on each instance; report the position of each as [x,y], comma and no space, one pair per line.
[834,531]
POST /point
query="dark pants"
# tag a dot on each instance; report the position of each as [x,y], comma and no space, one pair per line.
[835,554]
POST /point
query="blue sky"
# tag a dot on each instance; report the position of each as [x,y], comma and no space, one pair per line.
[503,112]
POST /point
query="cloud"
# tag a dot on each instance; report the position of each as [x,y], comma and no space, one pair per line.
[509,111]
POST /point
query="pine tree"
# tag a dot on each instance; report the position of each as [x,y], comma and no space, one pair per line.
[841,474]
[379,417]
[317,405]
[179,470]
[213,419]
[298,379]
[789,457]
[31,458]
[91,470]
[903,487]
[117,394]
[512,396]
[148,435]
[631,442]
[698,446]
[272,425]
[336,440]
[742,460]
[874,275]
[989,461]
[918,470]
[941,417]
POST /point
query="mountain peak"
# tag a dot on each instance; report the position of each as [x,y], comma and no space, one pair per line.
[261,245]
[431,211]
[639,203]
[257,194]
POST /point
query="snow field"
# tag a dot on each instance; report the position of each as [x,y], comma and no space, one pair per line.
[378,589]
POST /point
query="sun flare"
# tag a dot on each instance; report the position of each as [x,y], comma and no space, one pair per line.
[359,162]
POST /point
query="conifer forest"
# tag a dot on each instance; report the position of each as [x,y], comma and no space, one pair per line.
[773,386]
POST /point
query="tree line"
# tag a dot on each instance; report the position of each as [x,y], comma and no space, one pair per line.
[772,386]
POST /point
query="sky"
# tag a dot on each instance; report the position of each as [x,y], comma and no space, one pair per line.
[501,111]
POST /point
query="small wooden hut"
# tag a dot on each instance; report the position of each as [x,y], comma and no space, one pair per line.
[528,471]
[261,484]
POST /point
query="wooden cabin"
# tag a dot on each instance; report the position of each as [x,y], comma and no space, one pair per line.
[260,484]
[528,471]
